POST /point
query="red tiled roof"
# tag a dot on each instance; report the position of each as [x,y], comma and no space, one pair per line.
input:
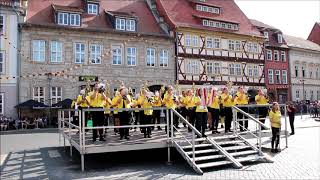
[301,43]
[122,14]
[261,24]
[67,8]
[181,13]
[40,12]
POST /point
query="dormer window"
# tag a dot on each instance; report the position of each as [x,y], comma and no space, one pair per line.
[67,16]
[218,24]
[125,24]
[130,25]
[74,19]
[279,38]
[266,35]
[209,9]
[92,8]
[123,21]
[120,24]
[63,18]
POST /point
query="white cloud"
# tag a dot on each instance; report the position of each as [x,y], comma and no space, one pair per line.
[293,17]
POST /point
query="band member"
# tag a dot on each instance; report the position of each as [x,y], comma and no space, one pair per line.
[82,103]
[214,109]
[275,119]
[170,101]
[122,100]
[116,117]
[242,99]
[156,113]
[227,103]
[182,105]
[201,111]
[107,105]
[191,107]
[262,99]
[96,99]
[139,114]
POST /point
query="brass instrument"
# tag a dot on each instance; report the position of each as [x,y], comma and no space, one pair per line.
[107,92]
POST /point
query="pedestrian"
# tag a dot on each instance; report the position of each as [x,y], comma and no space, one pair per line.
[291,113]
[275,120]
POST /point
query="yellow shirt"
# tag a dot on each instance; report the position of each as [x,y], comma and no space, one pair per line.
[83,104]
[241,99]
[215,104]
[200,108]
[168,101]
[275,119]
[261,99]
[157,102]
[98,101]
[227,103]
[147,104]
[107,106]
[120,105]
[190,102]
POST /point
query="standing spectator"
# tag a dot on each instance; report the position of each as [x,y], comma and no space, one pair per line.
[291,113]
[275,120]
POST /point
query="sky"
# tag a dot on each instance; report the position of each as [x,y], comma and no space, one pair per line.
[292,17]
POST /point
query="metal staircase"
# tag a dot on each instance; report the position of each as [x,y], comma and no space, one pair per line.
[225,150]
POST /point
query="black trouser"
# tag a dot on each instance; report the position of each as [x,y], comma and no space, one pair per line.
[215,113]
[191,113]
[106,120]
[86,116]
[98,120]
[275,137]
[124,121]
[240,116]
[229,115]
[156,117]
[146,120]
[175,119]
[263,112]
[201,122]
[291,120]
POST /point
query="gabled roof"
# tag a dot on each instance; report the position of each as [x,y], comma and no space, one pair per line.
[262,25]
[314,35]
[301,43]
[67,8]
[41,13]
[121,14]
[182,13]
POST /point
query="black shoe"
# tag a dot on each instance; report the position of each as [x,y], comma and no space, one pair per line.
[203,135]
[149,136]
[276,150]
[159,128]
[145,136]
[273,150]
[214,132]
[94,140]
[127,138]
[222,126]
[121,138]
[102,139]
[291,134]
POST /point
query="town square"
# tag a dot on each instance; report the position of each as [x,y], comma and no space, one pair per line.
[159,89]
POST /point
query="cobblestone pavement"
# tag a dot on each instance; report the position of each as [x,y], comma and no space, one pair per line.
[38,156]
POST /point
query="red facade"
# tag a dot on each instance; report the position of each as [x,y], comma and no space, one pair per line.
[277,73]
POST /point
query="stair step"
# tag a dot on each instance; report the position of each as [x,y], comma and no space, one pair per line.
[213,164]
[231,148]
[196,146]
[243,153]
[249,158]
[223,137]
[202,151]
[229,142]
[203,158]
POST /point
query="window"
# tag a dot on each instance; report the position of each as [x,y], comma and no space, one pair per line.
[223,25]
[79,52]
[266,35]
[74,19]
[279,38]
[303,71]
[270,76]
[318,95]
[205,22]
[188,40]
[311,95]
[2,62]
[255,48]
[238,69]
[209,42]
[283,56]
[317,73]
[216,43]
[296,69]
[131,56]
[231,45]
[130,25]
[151,57]
[250,70]
[237,45]
[198,7]
[39,94]
[297,94]
[217,68]
[55,51]
[195,41]
[310,72]
[249,47]
[63,18]
[164,58]
[38,50]
[2,103]
[193,67]
[278,76]
[269,54]
[116,55]
[255,71]
[231,69]
[93,9]
[284,77]
[207,9]
[56,95]
[2,24]
[209,68]
[120,24]
[276,55]
[95,53]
